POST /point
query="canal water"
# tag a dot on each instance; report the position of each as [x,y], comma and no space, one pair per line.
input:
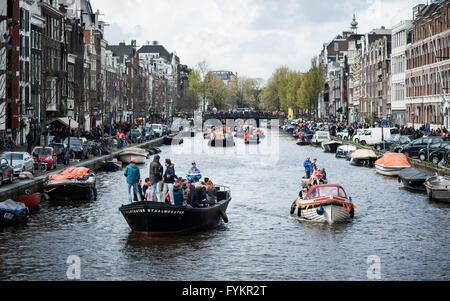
[408,234]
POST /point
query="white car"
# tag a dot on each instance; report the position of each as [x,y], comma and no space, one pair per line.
[344,135]
[21,161]
[158,129]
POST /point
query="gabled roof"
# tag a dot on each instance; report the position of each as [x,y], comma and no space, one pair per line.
[156,49]
[120,50]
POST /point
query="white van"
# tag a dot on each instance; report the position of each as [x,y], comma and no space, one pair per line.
[157,129]
[374,135]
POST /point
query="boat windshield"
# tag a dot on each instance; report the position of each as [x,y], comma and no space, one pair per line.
[328,191]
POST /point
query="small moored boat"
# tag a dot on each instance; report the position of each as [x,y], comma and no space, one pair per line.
[113,165]
[331,146]
[343,150]
[320,137]
[391,164]
[73,184]
[31,200]
[173,141]
[137,153]
[414,179]
[326,204]
[438,188]
[363,157]
[13,213]
[160,219]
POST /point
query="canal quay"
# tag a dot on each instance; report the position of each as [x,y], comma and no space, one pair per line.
[404,232]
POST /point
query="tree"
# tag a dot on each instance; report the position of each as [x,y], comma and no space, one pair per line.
[312,84]
[270,94]
[216,91]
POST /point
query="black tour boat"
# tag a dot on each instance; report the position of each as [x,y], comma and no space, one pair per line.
[414,179]
[160,219]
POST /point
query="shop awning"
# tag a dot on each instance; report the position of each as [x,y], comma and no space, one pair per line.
[65,122]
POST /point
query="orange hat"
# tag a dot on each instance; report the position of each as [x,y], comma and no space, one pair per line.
[133,160]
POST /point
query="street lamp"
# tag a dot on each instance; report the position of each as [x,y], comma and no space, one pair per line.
[70,109]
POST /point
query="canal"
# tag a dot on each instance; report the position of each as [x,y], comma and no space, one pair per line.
[408,233]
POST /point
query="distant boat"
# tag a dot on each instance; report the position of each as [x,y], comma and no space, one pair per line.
[438,188]
[391,164]
[343,150]
[31,200]
[113,165]
[13,213]
[414,179]
[363,157]
[137,153]
[320,137]
[331,146]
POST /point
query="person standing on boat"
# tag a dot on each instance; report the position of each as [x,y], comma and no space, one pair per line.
[169,179]
[308,167]
[155,176]
[133,176]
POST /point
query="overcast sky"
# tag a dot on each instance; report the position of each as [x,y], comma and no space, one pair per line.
[250,37]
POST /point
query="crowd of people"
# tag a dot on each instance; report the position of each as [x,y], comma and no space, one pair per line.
[164,186]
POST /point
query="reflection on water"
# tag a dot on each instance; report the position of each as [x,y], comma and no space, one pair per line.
[261,242]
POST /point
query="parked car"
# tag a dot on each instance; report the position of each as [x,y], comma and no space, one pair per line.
[135,136]
[413,149]
[440,155]
[7,171]
[45,155]
[148,133]
[78,149]
[425,153]
[20,161]
[157,129]
[395,143]
[166,130]
[61,153]
[344,135]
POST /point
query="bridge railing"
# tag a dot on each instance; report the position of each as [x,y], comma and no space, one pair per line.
[244,115]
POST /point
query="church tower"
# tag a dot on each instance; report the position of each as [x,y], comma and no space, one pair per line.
[354,25]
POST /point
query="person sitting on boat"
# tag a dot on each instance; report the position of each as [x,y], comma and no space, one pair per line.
[194,173]
[308,167]
[324,175]
[211,193]
[133,175]
[192,200]
[178,195]
[246,136]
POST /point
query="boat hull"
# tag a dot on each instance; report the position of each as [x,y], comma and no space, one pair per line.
[332,214]
[32,201]
[126,158]
[221,143]
[10,219]
[71,190]
[393,171]
[159,219]
[438,195]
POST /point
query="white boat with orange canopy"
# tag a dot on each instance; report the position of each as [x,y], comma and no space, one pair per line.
[326,204]
[391,164]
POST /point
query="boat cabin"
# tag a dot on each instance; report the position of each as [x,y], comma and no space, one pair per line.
[327,190]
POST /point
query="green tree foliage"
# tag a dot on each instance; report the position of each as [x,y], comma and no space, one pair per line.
[245,92]
[270,94]
[216,91]
[311,87]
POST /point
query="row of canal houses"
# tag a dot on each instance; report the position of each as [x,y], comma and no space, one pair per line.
[400,75]
[55,62]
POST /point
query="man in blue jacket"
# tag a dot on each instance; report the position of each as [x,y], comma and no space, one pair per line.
[133,175]
[308,167]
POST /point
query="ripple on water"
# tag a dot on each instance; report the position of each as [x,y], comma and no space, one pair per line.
[261,242]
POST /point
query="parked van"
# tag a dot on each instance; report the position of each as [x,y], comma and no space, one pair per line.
[374,135]
[157,129]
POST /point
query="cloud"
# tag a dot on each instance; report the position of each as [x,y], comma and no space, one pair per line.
[251,37]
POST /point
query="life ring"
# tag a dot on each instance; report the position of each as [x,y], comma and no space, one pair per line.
[224,216]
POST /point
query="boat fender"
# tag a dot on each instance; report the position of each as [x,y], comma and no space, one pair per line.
[430,195]
[399,180]
[294,205]
[320,211]
[224,216]
[352,212]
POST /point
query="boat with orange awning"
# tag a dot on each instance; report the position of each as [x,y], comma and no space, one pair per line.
[391,164]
